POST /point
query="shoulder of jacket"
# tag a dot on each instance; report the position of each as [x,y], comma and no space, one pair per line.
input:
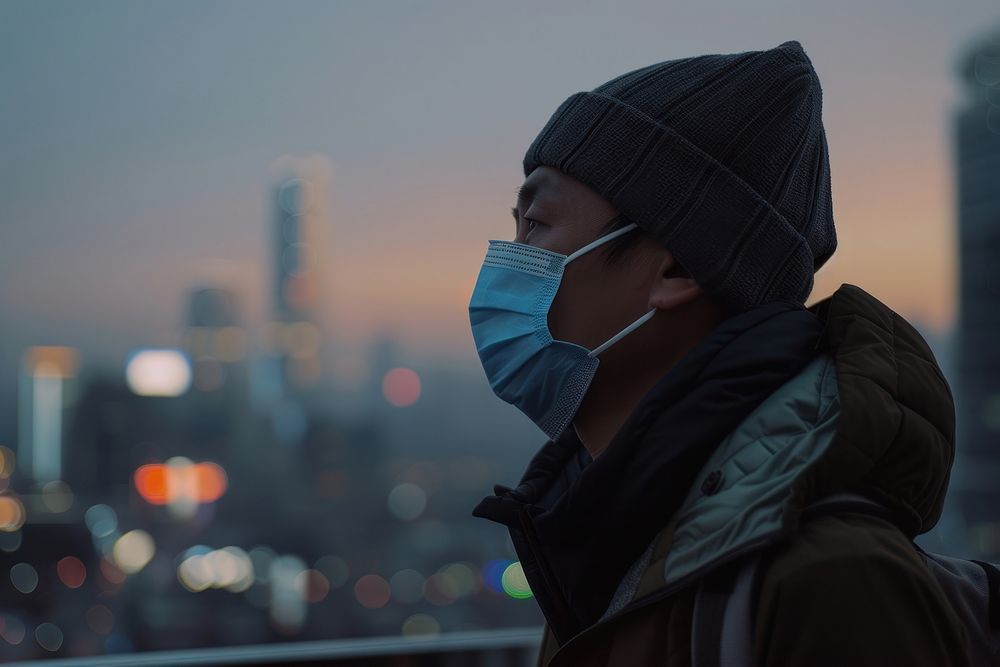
[843,544]
[852,589]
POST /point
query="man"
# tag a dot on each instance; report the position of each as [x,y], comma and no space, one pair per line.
[649,317]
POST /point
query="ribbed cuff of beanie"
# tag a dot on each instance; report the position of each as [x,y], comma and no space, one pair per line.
[737,246]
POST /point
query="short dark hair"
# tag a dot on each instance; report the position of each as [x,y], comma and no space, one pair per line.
[616,249]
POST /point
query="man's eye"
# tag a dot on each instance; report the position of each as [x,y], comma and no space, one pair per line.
[531,223]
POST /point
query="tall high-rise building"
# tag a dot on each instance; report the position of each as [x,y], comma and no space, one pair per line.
[295,333]
[214,337]
[44,371]
[217,343]
[976,481]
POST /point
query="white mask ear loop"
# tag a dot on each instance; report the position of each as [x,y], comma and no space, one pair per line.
[621,334]
[604,239]
[639,322]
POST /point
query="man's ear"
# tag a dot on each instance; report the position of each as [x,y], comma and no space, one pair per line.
[670,291]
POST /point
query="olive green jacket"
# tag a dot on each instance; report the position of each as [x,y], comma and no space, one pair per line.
[872,413]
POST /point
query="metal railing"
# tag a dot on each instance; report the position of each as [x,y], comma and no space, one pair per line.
[509,647]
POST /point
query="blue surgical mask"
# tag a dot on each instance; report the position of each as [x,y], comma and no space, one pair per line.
[544,378]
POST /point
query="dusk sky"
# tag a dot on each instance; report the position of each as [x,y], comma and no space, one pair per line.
[141,142]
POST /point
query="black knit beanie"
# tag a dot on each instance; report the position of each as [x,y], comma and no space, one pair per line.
[721,157]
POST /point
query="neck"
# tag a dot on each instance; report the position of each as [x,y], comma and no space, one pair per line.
[610,401]
[627,374]
[614,395]
[595,434]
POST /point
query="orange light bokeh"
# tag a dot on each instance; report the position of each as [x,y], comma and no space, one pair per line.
[159,484]
[151,483]
[11,513]
[210,481]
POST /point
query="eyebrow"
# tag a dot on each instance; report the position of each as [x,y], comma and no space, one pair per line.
[526,192]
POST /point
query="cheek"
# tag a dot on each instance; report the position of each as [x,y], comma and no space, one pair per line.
[583,308]
[559,313]
[589,310]
[570,312]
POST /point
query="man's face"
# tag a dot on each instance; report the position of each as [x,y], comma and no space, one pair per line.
[595,301]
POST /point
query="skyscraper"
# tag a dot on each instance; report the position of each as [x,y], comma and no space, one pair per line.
[40,402]
[299,272]
[217,343]
[977,156]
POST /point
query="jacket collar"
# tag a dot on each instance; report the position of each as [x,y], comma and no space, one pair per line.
[872,414]
[738,499]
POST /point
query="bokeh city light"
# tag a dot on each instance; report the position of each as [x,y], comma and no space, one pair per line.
[158,372]
[401,387]
[163,483]
[133,550]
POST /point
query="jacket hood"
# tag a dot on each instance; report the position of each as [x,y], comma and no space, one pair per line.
[795,404]
[895,438]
